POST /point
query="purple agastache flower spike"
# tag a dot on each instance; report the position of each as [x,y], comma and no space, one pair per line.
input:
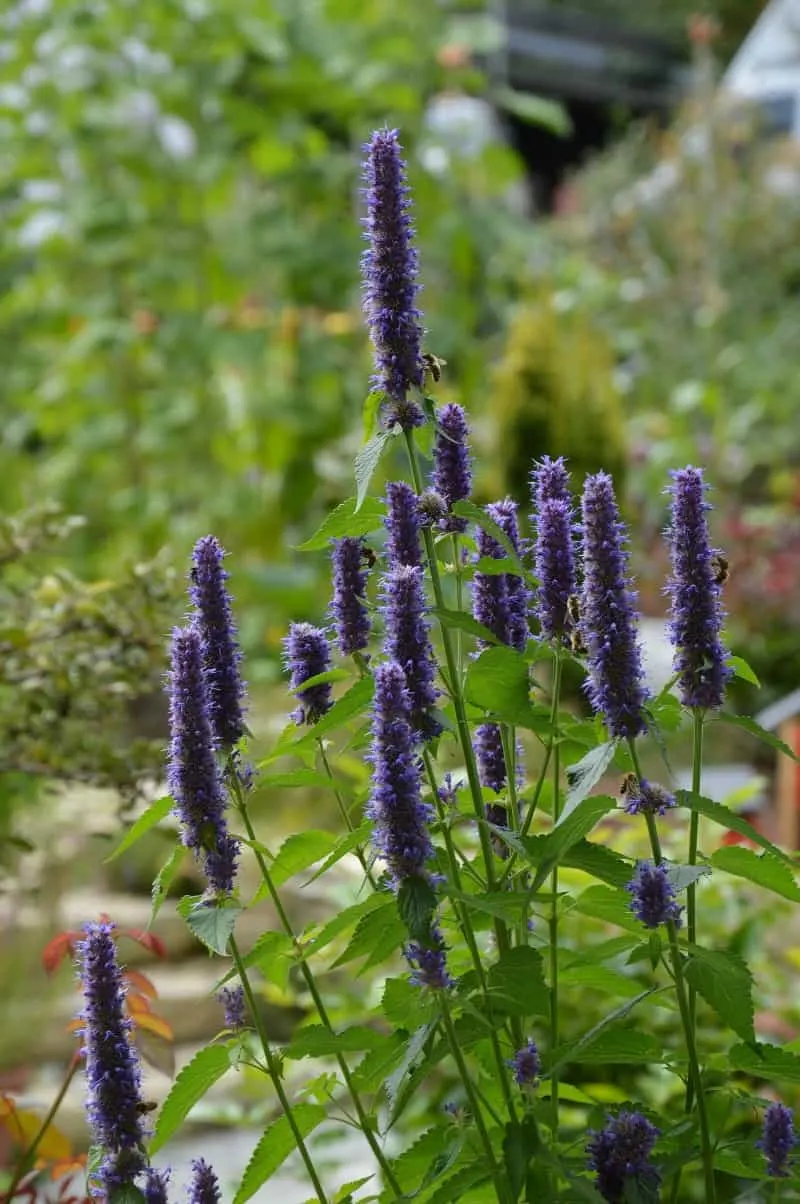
[608,616]
[407,641]
[491,760]
[349,604]
[653,896]
[396,807]
[155,1188]
[113,1078]
[192,772]
[204,1185]
[232,1000]
[526,1064]
[389,269]
[307,653]
[402,525]
[221,655]
[646,798]
[621,1152]
[517,631]
[549,482]
[428,962]
[696,610]
[778,1139]
[452,466]
[554,560]
[490,591]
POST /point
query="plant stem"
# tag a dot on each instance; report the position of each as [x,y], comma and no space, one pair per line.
[687,1020]
[455,1049]
[274,1071]
[554,1016]
[311,984]
[694,832]
[469,935]
[26,1159]
[359,851]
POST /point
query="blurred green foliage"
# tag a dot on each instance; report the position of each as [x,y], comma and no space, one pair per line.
[179,253]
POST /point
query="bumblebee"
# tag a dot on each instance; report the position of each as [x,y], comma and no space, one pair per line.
[630,784]
[573,621]
[433,365]
[368,556]
[146,1105]
[721,569]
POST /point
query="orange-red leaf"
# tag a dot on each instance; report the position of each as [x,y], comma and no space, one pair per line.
[56,950]
[23,1127]
[154,1024]
[68,1166]
[148,939]
[75,1025]
[137,1004]
[141,983]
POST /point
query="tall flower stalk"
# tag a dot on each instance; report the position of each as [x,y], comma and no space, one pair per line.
[220,648]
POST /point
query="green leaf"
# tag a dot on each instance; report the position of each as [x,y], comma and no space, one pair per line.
[294,778]
[272,954]
[726,984]
[586,773]
[416,905]
[404,1005]
[346,919]
[505,905]
[210,921]
[372,408]
[520,1144]
[345,844]
[742,670]
[298,852]
[499,681]
[683,876]
[600,978]
[206,1067]
[321,679]
[412,1056]
[535,110]
[377,936]
[755,729]
[722,815]
[367,459]
[345,521]
[459,620]
[475,514]
[354,702]
[765,870]
[600,862]
[128,1194]
[601,1044]
[516,983]
[612,906]
[276,1144]
[154,814]
[571,828]
[315,1041]
[459,1185]
[766,1062]
[164,879]
[346,1193]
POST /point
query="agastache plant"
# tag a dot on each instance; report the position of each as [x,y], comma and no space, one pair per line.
[469,957]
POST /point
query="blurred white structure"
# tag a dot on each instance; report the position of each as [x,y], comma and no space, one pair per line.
[766,68]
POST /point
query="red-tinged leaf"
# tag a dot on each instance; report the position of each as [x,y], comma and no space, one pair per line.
[74,1026]
[137,1004]
[141,983]
[56,950]
[154,1024]
[148,940]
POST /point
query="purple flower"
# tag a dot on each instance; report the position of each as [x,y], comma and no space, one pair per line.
[114,1102]
[778,1139]
[402,525]
[232,999]
[155,1189]
[517,631]
[491,759]
[549,482]
[204,1185]
[349,604]
[307,653]
[696,610]
[221,655]
[653,900]
[620,1152]
[407,642]
[608,618]
[428,960]
[646,798]
[452,467]
[389,269]
[192,772]
[526,1064]
[448,791]
[490,604]
[554,560]
[400,816]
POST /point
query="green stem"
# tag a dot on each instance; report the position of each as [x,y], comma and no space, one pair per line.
[474,1103]
[554,1012]
[311,984]
[691,892]
[26,1159]
[359,851]
[274,1070]
[687,1020]
[469,935]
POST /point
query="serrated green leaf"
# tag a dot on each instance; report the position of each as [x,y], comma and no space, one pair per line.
[367,459]
[344,845]
[404,1005]
[459,620]
[726,984]
[504,905]
[499,681]
[347,519]
[742,670]
[722,815]
[298,852]
[766,1062]
[370,411]
[294,778]
[320,679]
[206,1067]
[516,983]
[599,978]
[520,1145]
[600,862]
[210,921]
[354,702]
[613,906]
[475,514]
[346,919]
[164,879]
[601,1043]
[586,773]
[375,1068]
[412,1164]
[378,934]
[761,733]
[316,1041]
[154,814]
[569,830]
[412,1057]
[276,1144]
[416,905]
[346,1192]
[272,954]
[764,869]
